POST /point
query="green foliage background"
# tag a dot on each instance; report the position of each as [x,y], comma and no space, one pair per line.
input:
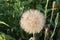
[11,12]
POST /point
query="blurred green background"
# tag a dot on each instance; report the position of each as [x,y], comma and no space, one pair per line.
[11,12]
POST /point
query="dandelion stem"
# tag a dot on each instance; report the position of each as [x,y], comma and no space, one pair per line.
[46,13]
[56,22]
[46,33]
[46,9]
[34,36]
[53,5]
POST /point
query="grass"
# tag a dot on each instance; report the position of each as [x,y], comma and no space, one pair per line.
[11,12]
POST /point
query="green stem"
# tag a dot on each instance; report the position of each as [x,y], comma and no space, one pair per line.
[46,8]
[33,36]
[51,16]
[46,13]
[56,22]
[53,5]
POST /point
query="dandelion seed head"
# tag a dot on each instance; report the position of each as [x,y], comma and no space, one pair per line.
[32,21]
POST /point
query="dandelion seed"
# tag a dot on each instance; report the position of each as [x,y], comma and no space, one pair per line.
[32,21]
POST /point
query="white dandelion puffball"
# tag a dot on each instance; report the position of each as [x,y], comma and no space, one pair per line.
[32,21]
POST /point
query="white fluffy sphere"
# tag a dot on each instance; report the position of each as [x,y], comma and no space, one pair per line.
[32,21]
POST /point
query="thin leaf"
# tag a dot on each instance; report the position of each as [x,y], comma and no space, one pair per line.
[1,22]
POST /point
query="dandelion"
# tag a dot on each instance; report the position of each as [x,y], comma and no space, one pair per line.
[32,21]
